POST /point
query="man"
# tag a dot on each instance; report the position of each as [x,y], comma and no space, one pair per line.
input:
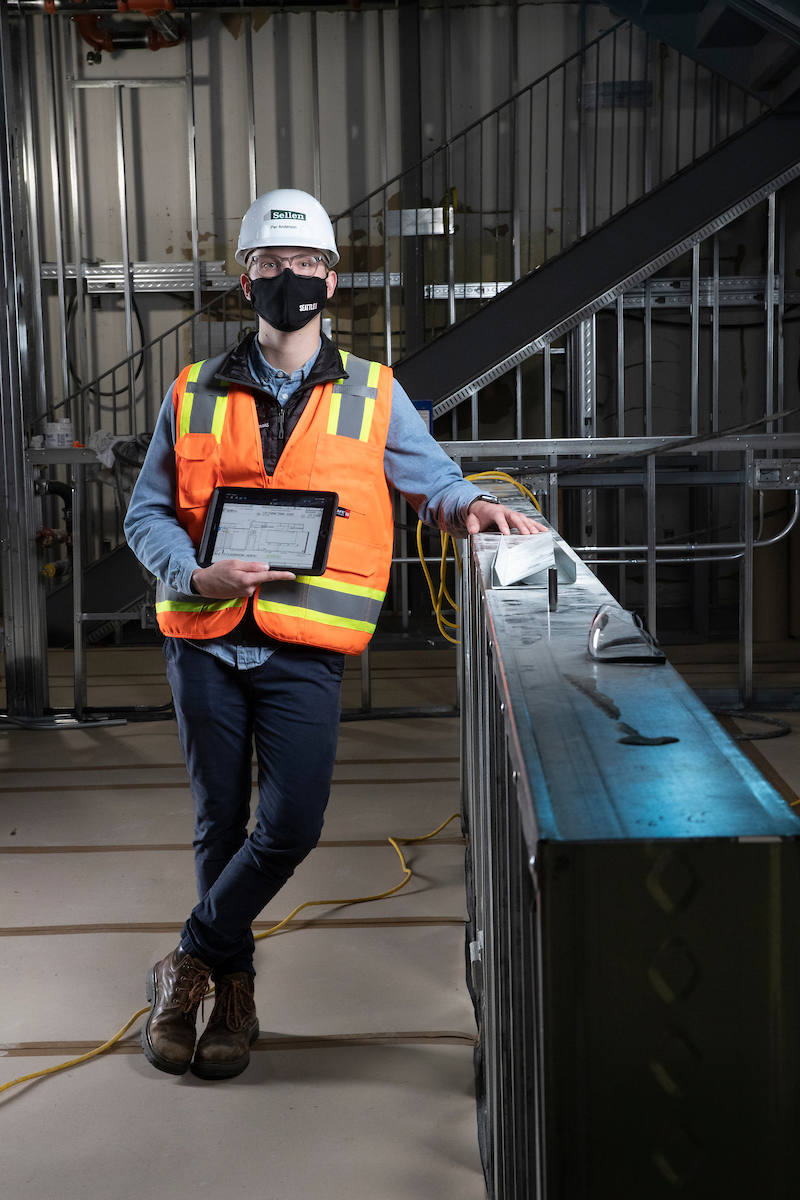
[255,654]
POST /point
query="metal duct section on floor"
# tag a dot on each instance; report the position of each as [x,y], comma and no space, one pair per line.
[632,939]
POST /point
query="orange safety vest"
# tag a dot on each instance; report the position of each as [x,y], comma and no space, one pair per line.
[337,445]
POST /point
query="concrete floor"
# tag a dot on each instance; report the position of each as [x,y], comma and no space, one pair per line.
[776,664]
[361,1084]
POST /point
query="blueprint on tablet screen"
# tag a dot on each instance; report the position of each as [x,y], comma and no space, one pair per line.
[270,533]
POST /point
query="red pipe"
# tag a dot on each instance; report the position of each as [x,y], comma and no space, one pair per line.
[94,34]
[101,38]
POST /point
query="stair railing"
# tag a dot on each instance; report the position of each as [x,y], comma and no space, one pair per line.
[126,398]
[521,184]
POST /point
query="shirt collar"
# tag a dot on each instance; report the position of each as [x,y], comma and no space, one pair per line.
[269,376]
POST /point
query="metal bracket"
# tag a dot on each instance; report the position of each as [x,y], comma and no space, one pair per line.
[776,474]
[147,276]
[476,962]
[538,481]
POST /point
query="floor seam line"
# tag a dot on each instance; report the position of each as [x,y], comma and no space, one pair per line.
[288,1042]
[329,844]
[340,762]
[174,784]
[173,926]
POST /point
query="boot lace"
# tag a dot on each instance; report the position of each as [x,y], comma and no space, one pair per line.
[234,1005]
[192,986]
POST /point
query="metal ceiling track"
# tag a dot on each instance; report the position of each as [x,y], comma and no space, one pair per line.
[632,246]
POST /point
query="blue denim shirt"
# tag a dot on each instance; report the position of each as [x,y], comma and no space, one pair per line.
[281,385]
[414,464]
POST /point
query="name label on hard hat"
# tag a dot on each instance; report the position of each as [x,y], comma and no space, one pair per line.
[283,214]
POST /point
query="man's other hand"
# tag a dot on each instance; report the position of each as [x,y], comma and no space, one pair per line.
[483,515]
[231,578]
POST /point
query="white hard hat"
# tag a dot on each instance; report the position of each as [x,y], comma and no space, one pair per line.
[287,217]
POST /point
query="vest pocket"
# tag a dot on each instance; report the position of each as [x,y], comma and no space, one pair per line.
[348,467]
[353,556]
[197,466]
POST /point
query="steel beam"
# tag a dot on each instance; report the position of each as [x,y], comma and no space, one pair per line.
[25,646]
[410,155]
[251,107]
[541,447]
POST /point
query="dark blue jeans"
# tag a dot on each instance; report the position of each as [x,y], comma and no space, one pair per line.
[291,707]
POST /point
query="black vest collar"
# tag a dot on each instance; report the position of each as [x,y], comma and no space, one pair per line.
[235,366]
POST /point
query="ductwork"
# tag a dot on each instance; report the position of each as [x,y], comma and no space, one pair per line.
[162,30]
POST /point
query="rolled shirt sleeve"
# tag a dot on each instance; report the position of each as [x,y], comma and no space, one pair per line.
[152,529]
[418,467]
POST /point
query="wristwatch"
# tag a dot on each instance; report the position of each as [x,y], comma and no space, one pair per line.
[487,496]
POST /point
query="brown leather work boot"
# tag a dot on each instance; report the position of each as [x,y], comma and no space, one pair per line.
[224,1047]
[175,987]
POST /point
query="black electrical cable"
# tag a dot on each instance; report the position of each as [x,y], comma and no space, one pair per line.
[782,727]
[120,391]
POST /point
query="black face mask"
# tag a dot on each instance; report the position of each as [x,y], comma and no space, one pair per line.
[288,301]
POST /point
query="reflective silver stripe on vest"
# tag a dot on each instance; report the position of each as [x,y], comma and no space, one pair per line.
[353,392]
[204,393]
[353,398]
[325,600]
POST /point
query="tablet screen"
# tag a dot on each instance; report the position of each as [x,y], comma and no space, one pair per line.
[288,528]
[272,533]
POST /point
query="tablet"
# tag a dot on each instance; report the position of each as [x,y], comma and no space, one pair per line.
[290,530]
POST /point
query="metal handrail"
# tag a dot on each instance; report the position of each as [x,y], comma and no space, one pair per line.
[690,547]
[522,183]
[106,402]
[92,391]
[492,112]
[499,107]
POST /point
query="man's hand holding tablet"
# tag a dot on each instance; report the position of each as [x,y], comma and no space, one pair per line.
[231,578]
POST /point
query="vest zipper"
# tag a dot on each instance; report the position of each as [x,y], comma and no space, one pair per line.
[281,429]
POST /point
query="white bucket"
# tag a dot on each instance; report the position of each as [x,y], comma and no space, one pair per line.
[59,435]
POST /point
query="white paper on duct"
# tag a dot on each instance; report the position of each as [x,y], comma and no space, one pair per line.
[519,557]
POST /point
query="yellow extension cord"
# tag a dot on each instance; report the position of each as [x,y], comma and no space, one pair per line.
[73,1062]
[438,597]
